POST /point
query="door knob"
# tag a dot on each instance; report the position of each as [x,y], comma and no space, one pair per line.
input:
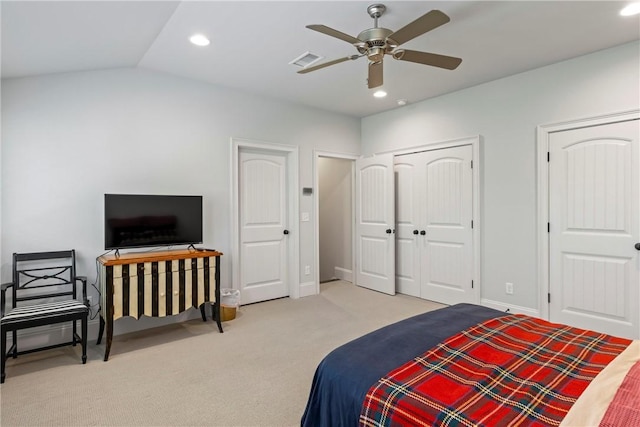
[638,246]
[388,231]
[415,231]
[422,232]
[286,231]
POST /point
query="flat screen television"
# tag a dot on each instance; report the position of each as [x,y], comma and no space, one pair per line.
[142,220]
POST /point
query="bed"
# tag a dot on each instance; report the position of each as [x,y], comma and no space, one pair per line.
[472,365]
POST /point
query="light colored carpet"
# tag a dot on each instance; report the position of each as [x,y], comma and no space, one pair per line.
[257,373]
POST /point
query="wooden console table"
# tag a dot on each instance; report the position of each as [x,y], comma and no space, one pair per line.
[157,284]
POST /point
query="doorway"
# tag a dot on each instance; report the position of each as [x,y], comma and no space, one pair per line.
[334,174]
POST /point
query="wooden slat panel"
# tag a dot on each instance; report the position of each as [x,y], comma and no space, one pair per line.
[148,292]
[181,275]
[208,262]
[125,290]
[168,286]
[133,295]
[175,292]
[201,277]
[188,288]
[140,289]
[117,298]
[155,297]
[162,297]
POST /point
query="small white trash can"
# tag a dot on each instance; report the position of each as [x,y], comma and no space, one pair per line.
[229,303]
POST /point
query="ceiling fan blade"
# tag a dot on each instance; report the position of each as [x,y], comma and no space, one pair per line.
[426,22]
[375,75]
[334,33]
[433,59]
[326,64]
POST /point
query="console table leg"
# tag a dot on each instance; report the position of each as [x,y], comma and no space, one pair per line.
[109,337]
[101,331]
[204,315]
[215,314]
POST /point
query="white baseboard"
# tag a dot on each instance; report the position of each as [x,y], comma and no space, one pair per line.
[308,289]
[343,274]
[498,305]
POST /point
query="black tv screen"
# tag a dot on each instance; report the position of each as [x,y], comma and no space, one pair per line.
[139,220]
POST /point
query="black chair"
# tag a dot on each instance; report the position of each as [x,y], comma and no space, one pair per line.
[44,292]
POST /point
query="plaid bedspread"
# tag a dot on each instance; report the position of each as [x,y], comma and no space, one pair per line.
[512,370]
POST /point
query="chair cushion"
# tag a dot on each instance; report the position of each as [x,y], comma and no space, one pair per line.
[43,311]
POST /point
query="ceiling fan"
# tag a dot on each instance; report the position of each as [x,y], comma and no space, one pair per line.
[376,42]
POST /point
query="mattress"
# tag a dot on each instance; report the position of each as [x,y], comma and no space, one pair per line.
[470,365]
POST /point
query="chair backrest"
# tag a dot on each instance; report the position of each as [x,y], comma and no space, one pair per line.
[44,275]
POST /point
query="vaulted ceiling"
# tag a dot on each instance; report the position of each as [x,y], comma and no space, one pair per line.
[253,43]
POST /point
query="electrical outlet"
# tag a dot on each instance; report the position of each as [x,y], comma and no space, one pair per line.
[509,288]
[307,269]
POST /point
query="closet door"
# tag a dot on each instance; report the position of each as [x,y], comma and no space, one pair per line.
[408,179]
[375,243]
[594,233]
[446,206]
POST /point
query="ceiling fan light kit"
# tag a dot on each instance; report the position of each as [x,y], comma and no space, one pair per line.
[199,40]
[631,9]
[376,42]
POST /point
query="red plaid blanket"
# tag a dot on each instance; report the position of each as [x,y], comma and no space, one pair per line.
[512,370]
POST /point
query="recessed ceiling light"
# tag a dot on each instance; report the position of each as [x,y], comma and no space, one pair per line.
[401,102]
[380,94]
[199,40]
[631,9]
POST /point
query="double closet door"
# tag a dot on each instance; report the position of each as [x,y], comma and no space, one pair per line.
[434,213]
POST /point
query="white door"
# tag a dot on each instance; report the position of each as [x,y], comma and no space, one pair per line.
[446,198]
[375,242]
[263,226]
[594,214]
[408,240]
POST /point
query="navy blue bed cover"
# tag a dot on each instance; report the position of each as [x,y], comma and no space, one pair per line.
[344,376]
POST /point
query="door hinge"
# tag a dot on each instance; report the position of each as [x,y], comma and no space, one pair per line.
[472,284]
[471,164]
[549,298]
[548,227]
[471,223]
[548,156]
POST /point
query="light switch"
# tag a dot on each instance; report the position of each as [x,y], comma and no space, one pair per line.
[305,216]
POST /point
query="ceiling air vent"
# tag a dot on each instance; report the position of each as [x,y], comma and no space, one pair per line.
[306,59]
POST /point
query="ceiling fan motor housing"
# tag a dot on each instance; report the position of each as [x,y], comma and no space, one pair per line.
[375,43]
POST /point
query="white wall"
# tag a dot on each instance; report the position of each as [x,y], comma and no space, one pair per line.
[70,138]
[335,216]
[505,113]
